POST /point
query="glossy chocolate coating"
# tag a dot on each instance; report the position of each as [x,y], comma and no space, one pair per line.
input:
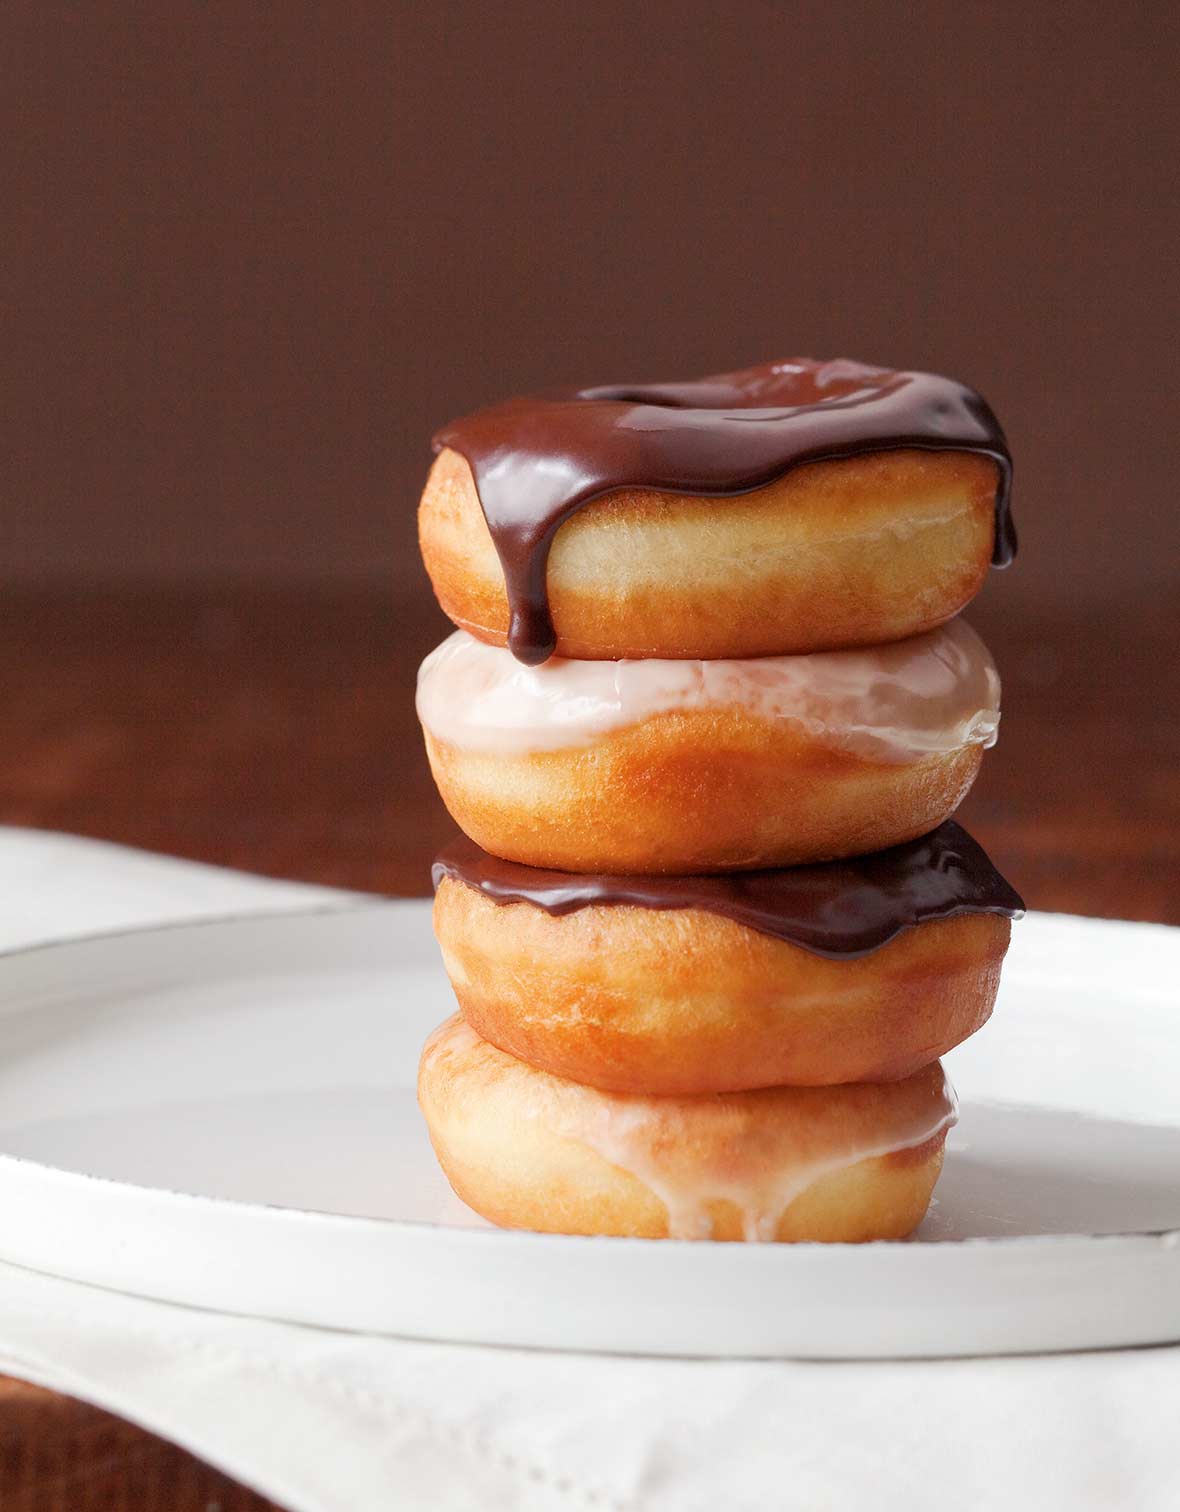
[837,908]
[537,460]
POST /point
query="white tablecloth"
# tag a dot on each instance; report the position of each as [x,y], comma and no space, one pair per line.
[327,1422]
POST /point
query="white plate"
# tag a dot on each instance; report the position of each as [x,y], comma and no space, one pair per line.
[223,1115]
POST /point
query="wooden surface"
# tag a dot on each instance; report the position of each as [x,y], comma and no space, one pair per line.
[275,732]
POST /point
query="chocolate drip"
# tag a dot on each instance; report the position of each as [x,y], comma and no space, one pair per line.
[837,909]
[536,461]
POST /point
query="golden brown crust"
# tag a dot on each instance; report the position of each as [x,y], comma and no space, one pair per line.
[639,1000]
[708,790]
[524,1149]
[851,552]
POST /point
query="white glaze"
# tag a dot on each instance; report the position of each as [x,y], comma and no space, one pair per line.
[639,1135]
[933,693]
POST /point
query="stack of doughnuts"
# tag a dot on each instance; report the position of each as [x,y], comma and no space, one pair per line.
[704,722]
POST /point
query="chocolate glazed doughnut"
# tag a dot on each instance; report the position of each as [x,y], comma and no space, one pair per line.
[797,506]
[854,971]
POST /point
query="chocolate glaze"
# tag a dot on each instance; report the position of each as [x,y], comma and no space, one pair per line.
[838,908]
[537,460]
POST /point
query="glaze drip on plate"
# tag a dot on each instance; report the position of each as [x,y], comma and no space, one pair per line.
[839,909]
[537,460]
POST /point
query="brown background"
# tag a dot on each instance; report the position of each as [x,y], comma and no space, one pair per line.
[255,252]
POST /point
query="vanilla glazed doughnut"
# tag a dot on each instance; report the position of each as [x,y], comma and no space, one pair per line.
[682,766]
[529,1150]
[850,971]
[793,507]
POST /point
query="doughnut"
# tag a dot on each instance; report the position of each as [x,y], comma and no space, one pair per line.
[852,971]
[794,507]
[529,1150]
[683,766]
